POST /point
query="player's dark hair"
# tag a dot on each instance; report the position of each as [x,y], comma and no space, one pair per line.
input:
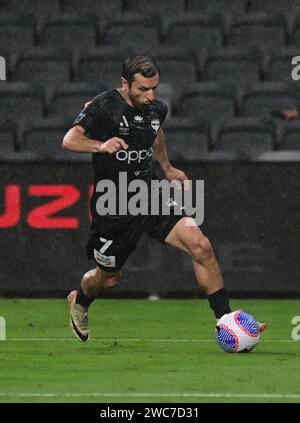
[139,63]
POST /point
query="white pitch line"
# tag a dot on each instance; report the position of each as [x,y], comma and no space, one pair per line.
[147,394]
[274,341]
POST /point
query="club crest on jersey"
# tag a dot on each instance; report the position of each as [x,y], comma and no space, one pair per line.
[155,124]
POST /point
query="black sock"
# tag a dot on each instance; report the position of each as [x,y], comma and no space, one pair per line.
[82,299]
[219,303]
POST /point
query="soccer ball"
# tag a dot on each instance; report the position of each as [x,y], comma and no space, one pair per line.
[237,332]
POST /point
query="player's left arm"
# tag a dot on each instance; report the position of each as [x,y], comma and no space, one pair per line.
[161,154]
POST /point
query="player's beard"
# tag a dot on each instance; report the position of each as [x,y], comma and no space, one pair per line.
[135,101]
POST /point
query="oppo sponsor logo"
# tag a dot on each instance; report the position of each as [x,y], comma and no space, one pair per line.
[134,155]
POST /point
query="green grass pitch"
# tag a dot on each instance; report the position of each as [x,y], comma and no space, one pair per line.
[144,351]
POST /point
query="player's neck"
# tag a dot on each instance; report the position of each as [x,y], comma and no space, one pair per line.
[125,96]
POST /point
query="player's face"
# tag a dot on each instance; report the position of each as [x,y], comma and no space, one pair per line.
[143,90]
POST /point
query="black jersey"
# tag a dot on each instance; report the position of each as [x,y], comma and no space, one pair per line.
[109,115]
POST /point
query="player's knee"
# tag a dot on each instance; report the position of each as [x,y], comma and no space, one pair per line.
[113,280]
[201,249]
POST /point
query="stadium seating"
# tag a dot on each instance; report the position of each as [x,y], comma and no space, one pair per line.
[132,33]
[187,139]
[178,67]
[220,60]
[68,101]
[291,137]
[255,30]
[38,8]
[207,101]
[16,32]
[103,65]
[8,132]
[45,136]
[233,65]
[69,31]
[248,137]
[202,6]
[105,9]
[21,101]
[47,67]
[294,38]
[194,31]
[276,6]
[166,8]
[261,99]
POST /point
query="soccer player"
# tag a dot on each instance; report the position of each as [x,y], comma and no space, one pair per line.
[121,128]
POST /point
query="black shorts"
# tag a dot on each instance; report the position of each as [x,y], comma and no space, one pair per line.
[113,240]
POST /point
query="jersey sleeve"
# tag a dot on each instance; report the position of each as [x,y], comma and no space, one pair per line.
[164,112]
[93,119]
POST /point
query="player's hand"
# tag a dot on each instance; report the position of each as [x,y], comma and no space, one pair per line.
[113,145]
[173,174]
[290,114]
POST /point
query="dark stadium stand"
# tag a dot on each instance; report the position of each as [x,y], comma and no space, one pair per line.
[255,30]
[273,6]
[156,7]
[261,99]
[294,38]
[21,101]
[16,32]
[131,32]
[69,31]
[197,136]
[103,9]
[200,6]
[45,137]
[233,65]
[195,31]
[51,67]
[37,8]
[67,102]
[249,137]
[178,66]
[291,137]
[207,101]
[8,131]
[101,65]
[219,60]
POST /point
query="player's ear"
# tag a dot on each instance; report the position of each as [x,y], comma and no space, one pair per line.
[124,83]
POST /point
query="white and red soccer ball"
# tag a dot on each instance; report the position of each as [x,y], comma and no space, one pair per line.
[237,332]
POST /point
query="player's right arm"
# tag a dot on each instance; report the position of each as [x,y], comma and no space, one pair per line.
[76,140]
[93,120]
